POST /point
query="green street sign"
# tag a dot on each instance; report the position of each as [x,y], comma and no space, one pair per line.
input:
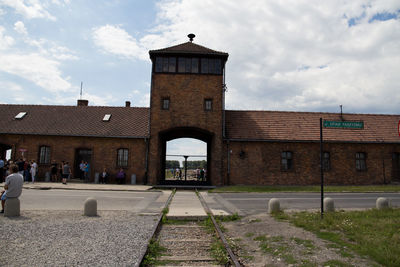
[344,124]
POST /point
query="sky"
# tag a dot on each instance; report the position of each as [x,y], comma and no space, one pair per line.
[294,55]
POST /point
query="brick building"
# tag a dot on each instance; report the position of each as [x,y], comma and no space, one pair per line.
[188,100]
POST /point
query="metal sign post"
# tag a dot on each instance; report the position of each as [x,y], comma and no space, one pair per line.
[322,167]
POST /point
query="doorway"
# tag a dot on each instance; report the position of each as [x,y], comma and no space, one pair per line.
[185,157]
[82,154]
[186,160]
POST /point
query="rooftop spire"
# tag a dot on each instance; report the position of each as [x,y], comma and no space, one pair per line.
[191,36]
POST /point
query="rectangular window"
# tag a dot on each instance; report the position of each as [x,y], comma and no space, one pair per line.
[204,65]
[211,66]
[195,65]
[44,155]
[188,65]
[182,64]
[165,64]
[218,67]
[361,164]
[159,64]
[172,64]
[122,160]
[326,161]
[165,103]
[208,104]
[286,160]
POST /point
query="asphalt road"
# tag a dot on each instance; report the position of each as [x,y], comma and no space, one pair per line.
[252,203]
[141,202]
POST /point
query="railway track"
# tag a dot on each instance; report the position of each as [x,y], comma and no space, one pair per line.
[188,242]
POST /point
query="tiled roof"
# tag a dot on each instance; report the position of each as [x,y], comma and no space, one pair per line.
[304,126]
[188,48]
[127,122]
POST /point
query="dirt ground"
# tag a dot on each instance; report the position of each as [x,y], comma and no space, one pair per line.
[260,240]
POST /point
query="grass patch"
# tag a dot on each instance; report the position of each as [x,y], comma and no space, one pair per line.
[316,188]
[373,233]
[154,251]
[249,234]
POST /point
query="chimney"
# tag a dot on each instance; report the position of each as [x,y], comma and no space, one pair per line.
[128,104]
[82,102]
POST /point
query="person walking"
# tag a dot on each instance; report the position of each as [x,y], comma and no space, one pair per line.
[13,186]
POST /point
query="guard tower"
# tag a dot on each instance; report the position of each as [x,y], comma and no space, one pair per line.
[187,100]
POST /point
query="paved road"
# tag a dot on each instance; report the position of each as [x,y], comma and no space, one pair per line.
[141,202]
[252,203]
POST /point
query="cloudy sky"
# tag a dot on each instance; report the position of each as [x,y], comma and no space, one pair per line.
[300,55]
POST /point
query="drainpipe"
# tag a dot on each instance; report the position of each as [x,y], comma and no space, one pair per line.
[146,140]
[229,163]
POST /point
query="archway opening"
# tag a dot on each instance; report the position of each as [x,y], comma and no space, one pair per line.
[186,160]
[191,149]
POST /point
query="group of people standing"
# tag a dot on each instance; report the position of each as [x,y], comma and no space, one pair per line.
[28,169]
[63,169]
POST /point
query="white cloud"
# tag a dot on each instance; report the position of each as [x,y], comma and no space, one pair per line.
[20,28]
[29,9]
[42,71]
[115,40]
[5,41]
[301,55]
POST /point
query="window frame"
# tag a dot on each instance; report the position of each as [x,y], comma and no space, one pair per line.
[208,104]
[122,162]
[361,161]
[165,100]
[44,154]
[287,161]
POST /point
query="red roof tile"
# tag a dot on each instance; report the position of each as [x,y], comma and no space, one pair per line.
[129,122]
[188,48]
[304,126]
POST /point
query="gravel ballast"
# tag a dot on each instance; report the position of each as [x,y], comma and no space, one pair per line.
[67,238]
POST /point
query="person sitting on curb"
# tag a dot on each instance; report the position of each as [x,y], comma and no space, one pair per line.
[13,186]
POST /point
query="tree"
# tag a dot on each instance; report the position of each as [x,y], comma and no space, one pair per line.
[172,164]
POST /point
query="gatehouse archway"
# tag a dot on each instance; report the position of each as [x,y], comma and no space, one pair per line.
[187,175]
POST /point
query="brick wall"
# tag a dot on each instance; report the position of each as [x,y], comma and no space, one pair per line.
[104,152]
[187,94]
[261,163]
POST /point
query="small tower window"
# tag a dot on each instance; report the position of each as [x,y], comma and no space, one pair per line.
[165,103]
[195,65]
[207,104]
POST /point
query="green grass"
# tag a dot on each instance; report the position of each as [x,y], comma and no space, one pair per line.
[154,251]
[316,188]
[373,233]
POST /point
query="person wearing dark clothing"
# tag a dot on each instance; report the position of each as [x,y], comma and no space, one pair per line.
[121,176]
[104,176]
[53,171]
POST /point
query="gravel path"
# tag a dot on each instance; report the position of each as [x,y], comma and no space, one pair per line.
[67,238]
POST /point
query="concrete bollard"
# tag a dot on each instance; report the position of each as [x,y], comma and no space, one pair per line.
[133,179]
[47,177]
[12,207]
[96,178]
[329,204]
[382,203]
[90,208]
[274,205]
